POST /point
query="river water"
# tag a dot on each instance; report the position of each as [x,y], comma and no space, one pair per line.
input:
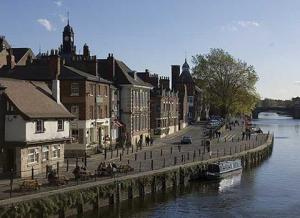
[272,189]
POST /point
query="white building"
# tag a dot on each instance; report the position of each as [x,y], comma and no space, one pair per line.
[35,127]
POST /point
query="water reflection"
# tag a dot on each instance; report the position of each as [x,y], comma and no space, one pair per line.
[229,182]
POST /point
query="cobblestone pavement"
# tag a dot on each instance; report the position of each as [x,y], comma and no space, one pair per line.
[163,153]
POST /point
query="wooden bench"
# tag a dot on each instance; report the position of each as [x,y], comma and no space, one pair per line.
[30,184]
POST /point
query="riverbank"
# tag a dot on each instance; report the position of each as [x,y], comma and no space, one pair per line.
[94,195]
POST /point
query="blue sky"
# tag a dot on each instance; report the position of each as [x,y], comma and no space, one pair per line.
[154,34]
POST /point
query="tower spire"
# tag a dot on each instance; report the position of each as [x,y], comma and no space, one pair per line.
[68,17]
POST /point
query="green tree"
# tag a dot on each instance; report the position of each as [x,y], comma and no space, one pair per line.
[229,83]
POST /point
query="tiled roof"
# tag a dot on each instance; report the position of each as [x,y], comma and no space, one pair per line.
[19,53]
[33,100]
[42,73]
[129,77]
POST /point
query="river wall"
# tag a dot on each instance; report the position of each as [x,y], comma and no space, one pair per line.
[94,195]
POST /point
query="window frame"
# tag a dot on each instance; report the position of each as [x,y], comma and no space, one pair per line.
[39,128]
[73,87]
[62,124]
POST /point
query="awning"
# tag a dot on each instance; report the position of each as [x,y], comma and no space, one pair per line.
[118,123]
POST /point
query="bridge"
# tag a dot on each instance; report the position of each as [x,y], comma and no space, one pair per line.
[290,111]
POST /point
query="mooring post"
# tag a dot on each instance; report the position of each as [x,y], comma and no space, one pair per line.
[151,164]
[67,165]
[32,173]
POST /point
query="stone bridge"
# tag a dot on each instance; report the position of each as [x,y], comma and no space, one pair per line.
[279,110]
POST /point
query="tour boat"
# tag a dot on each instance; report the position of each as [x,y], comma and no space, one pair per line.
[222,169]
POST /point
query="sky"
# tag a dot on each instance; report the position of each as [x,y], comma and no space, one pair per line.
[155,34]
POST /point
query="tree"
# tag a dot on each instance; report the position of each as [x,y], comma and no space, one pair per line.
[229,83]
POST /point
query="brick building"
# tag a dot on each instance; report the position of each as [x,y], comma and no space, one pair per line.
[134,99]
[182,81]
[11,57]
[164,105]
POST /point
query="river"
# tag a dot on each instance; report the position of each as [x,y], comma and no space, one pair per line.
[271,189]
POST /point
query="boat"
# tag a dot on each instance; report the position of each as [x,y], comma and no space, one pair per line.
[223,169]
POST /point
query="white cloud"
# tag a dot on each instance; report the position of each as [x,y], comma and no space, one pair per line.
[242,24]
[248,23]
[46,23]
[58,3]
[63,18]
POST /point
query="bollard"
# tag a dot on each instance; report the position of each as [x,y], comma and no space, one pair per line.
[199,152]
[85,157]
[47,171]
[171,150]
[128,162]
[76,161]
[175,160]
[164,164]
[32,173]
[151,164]
[161,152]
[182,158]
[57,168]
[11,182]
[179,148]
[135,156]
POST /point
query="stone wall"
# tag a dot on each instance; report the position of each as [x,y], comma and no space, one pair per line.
[77,199]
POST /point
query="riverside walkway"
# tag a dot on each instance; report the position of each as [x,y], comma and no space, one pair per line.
[164,153]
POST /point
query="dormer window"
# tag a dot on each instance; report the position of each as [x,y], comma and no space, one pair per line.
[39,126]
[60,125]
[9,107]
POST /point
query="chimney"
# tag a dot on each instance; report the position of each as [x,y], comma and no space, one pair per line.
[10,59]
[54,65]
[164,83]
[175,71]
[110,70]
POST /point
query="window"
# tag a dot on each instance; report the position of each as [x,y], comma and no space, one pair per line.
[9,107]
[158,123]
[45,152]
[158,108]
[56,151]
[60,125]
[105,91]
[39,126]
[74,135]
[91,89]
[106,111]
[91,112]
[75,110]
[99,90]
[33,155]
[99,111]
[74,89]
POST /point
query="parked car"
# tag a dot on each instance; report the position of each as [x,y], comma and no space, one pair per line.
[186,140]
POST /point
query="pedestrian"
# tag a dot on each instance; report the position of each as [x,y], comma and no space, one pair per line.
[147,140]
[243,135]
[151,140]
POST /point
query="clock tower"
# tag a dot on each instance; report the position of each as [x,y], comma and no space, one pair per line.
[67,48]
